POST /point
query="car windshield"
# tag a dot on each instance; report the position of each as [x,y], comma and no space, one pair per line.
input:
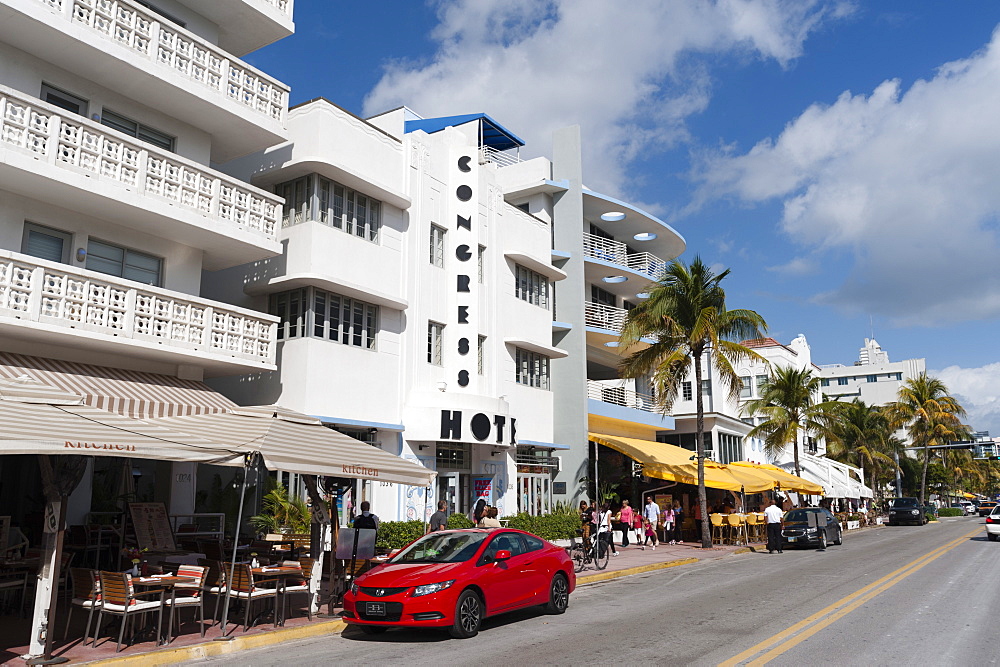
[441,548]
[905,503]
[800,515]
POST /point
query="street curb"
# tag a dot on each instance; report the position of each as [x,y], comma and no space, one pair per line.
[607,576]
[172,656]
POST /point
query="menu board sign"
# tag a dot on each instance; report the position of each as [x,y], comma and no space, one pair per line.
[152,526]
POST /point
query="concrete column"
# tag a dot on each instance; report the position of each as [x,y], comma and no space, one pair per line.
[569,374]
[182,487]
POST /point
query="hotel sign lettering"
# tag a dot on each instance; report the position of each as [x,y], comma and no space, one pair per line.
[456,426]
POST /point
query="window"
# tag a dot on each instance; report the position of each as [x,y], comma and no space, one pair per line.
[597,231]
[532,543]
[531,287]
[481,356]
[841,382]
[597,295]
[137,130]
[169,17]
[453,456]
[761,382]
[686,392]
[344,320]
[747,420]
[435,336]
[336,206]
[46,243]
[437,246]
[532,369]
[321,314]
[481,264]
[64,100]
[706,387]
[296,206]
[123,262]
[872,378]
[899,377]
[825,382]
[746,391]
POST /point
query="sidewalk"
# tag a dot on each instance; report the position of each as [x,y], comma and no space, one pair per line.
[633,560]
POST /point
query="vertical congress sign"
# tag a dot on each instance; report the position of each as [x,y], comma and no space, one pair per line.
[464,317]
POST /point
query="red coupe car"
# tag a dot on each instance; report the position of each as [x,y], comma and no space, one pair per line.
[453,579]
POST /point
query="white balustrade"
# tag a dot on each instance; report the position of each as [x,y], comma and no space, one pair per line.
[65,140]
[56,294]
[148,35]
[620,395]
[284,5]
[605,317]
[616,252]
[499,158]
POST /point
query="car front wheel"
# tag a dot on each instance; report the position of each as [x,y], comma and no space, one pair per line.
[558,594]
[468,616]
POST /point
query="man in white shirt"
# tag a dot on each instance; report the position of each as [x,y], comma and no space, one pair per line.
[773,515]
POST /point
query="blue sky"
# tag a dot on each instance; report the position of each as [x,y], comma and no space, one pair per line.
[842,158]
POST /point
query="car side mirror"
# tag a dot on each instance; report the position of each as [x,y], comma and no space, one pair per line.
[502,555]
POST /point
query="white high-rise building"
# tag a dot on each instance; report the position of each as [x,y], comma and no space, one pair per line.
[873,378]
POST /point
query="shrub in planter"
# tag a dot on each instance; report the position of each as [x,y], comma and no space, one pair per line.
[931,517]
[951,511]
[546,526]
[397,534]
[457,521]
[854,517]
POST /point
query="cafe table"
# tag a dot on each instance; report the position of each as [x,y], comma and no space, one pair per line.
[169,583]
[280,574]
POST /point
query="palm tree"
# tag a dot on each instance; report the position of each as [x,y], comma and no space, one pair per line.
[864,438]
[788,400]
[929,415]
[687,320]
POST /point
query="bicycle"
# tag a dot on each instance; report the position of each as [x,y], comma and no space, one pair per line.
[597,552]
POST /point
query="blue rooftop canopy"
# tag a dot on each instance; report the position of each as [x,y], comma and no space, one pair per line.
[491,133]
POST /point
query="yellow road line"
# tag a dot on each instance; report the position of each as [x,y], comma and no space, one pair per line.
[853,601]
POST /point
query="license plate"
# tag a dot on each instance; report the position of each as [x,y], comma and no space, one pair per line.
[376,609]
[791,539]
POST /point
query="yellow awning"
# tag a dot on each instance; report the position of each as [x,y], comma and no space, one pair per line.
[785,480]
[674,464]
[970,496]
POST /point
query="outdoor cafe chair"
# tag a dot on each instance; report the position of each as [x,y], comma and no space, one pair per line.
[14,583]
[718,529]
[118,598]
[737,528]
[214,582]
[307,582]
[188,595]
[244,588]
[85,588]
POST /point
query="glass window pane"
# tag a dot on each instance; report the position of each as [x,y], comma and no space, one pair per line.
[319,314]
[45,243]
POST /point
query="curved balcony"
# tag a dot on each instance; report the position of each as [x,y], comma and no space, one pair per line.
[624,220]
[620,395]
[608,318]
[46,302]
[121,45]
[246,25]
[52,155]
[603,254]
[618,404]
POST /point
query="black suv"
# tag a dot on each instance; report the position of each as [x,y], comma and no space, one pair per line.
[797,531]
[906,510]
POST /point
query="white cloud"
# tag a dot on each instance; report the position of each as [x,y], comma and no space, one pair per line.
[978,389]
[618,69]
[906,181]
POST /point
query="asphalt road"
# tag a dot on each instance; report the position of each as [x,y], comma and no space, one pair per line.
[889,596]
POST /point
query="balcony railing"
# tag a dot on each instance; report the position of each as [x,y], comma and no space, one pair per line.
[66,140]
[616,252]
[143,32]
[284,5]
[605,317]
[622,396]
[60,295]
[499,158]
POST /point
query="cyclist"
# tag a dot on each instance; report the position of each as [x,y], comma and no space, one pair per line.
[586,524]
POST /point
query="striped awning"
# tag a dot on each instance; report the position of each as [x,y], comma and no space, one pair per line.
[294,442]
[38,419]
[131,393]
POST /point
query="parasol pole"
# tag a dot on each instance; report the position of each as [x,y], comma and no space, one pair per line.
[249,461]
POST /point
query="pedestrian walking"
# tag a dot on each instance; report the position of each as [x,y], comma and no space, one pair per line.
[479,511]
[678,535]
[366,519]
[773,515]
[439,520]
[651,511]
[640,532]
[668,525]
[489,519]
[649,532]
[586,524]
[604,530]
[625,516]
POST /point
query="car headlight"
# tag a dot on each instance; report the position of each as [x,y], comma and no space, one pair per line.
[354,588]
[427,589]
[914,511]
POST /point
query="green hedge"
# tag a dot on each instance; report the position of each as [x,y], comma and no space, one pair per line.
[457,521]
[397,534]
[951,511]
[547,526]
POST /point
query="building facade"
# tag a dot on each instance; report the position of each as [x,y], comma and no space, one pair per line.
[872,378]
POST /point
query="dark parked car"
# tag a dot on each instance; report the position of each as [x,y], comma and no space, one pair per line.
[906,510]
[799,531]
[986,506]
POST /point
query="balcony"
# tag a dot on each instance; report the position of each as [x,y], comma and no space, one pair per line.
[609,318]
[60,158]
[620,396]
[125,47]
[616,252]
[488,155]
[246,25]
[46,302]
